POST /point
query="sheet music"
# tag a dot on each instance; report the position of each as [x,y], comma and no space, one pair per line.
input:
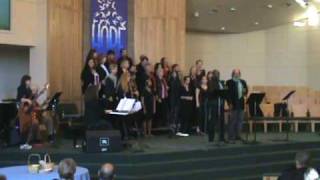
[126,104]
[119,113]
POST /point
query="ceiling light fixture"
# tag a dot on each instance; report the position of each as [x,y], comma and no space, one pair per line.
[256,23]
[223,28]
[299,24]
[196,14]
[233,9]
[269,6]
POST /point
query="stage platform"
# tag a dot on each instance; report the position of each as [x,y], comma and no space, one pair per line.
[192,157]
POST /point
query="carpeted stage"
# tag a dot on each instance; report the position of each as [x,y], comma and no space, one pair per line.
[192,157]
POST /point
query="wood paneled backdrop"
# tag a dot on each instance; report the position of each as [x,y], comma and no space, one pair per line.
[160,29]
[65,20]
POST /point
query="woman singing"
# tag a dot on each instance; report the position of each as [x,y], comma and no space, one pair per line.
[89,75]
[202,105]
[187,107]
[148,102]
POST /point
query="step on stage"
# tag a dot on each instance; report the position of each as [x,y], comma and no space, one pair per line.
[159,157]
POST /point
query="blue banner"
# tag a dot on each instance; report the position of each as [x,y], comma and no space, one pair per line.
[109,25]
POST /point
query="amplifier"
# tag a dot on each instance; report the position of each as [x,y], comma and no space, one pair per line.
[102,141]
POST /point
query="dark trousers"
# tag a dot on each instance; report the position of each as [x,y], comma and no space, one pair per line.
[174,119]
[235,123]
[215,120]
[162,113]
[203,116]
[186,112]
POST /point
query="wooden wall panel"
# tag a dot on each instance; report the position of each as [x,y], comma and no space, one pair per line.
[160,29]
[65,19]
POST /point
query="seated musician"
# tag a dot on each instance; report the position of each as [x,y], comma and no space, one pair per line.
[94,111]
[30,115]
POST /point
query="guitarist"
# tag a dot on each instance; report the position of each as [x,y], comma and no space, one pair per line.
[29,115]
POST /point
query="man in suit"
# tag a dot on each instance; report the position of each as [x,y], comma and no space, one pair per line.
[237,89]
[216,107]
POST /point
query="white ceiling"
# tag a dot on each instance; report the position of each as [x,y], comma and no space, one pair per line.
[215,14]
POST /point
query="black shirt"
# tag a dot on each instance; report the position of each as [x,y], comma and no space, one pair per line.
[23,92]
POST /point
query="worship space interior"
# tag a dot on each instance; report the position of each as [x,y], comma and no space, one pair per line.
[160,89]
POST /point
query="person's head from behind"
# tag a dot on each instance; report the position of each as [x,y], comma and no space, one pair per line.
[106,172]
[67,169]
[114,69]
[302,159]
[3,177]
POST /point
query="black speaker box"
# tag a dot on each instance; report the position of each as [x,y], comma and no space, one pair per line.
[102,141]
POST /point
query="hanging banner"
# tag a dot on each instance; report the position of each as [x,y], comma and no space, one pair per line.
[109,25]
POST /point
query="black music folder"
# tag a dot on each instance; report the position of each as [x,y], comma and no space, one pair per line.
[254,102]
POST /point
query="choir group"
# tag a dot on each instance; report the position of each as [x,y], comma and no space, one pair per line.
[184,103]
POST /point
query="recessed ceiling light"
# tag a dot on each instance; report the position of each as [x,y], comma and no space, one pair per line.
[256,23]
[223,28]
[270,6]
[299,24]
[233,9]
[196,14]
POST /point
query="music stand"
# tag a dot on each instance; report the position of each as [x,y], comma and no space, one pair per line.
[286,99]
[255,99]
[54,101]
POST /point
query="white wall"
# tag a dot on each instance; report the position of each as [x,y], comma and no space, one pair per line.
[276,56]
[23,23]
[14,63]
[29,28]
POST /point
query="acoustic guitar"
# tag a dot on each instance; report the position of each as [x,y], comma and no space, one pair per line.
[29,112]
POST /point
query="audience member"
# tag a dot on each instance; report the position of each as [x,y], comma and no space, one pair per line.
[3,177]
[67,169]
[301,169]
[202,105]
[107,172]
